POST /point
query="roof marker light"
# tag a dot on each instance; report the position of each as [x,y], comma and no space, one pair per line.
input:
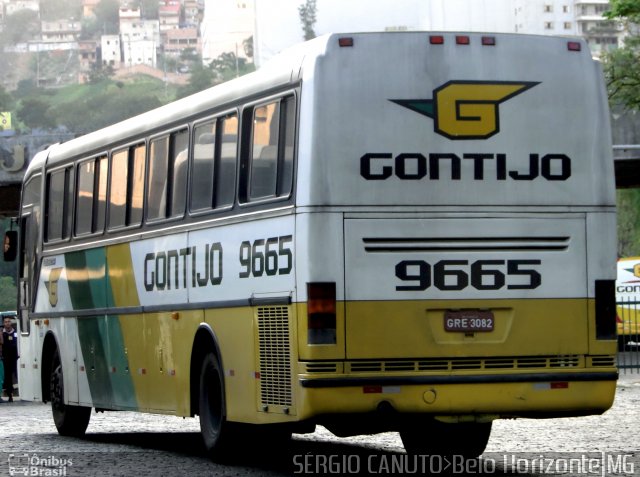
[436,39]
[462,40]
[574,46]
[345,41]
[489,40]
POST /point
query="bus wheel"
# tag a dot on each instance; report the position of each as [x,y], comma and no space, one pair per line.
[468,439]
[217,433]
[69,420]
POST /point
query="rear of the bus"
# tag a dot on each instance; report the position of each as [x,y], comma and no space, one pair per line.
[456,228]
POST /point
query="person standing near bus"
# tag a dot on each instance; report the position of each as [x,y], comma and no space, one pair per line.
[9,355]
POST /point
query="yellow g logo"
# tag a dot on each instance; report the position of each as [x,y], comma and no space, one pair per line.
[466,109]
[52,285]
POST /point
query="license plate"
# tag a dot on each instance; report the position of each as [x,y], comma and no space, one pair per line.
[468,321]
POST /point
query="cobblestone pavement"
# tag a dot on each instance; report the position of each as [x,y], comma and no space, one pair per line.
[131,444]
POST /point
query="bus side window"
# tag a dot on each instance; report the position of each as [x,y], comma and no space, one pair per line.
[167,185]
[158,176]
[263,168]
[178,186]
[203,166]
[127,187]
[118,189]
[270,171]
[214,163]
[91,192]
[59,202]
[225,190]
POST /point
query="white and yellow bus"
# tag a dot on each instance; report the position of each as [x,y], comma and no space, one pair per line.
[407,232]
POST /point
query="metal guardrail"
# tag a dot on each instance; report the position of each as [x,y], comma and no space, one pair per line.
[628,318]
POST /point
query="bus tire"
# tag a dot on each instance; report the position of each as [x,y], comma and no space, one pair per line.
[217,433]
[69,420]
[468,439]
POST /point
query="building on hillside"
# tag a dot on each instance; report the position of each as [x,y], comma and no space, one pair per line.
[193,13]
[176,41]
[13,6]
[89,7]
[60,31]
[226,25]
[140,39]
[88,56]
[169,15]
[111,51]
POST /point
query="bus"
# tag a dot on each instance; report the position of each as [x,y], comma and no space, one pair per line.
[627,300]
[401,231]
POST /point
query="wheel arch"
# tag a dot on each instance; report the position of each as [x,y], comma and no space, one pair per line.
[49,348]
[204,342]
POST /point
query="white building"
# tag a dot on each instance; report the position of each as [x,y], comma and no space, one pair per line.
[111,50]
[278,25]
[225,27]
[140,38]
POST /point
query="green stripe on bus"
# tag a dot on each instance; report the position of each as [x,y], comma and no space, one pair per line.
[86,278]
[106,364]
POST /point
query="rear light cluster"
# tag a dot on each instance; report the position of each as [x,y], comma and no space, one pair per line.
[462,40]
[321,313]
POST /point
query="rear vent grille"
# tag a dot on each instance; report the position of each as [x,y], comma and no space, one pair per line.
[603,361]
[275,355]
[440,364]
[471,244]
[321,367]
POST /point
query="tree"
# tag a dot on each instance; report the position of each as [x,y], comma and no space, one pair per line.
[57,9]
[6,101]
[622,66]
[34,113]
[307,12]
[107,16]
[228,66]
[201,78]
[22,26]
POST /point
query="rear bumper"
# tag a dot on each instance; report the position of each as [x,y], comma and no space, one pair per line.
[467,379]
[494,395]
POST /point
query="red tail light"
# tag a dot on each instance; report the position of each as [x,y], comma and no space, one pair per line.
[345,41]
[462,40]
[321,313]
[436,39]
[574,46]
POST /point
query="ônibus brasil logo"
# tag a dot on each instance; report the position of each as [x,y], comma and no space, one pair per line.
[467,109]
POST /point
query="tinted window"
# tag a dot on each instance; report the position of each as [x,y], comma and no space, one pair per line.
[214,163]
[270,164]
[127,187]
[59,200]
[168,159]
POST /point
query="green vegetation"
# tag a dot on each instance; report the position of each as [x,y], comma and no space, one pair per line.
[622,74]
[85,108]
[622,66]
